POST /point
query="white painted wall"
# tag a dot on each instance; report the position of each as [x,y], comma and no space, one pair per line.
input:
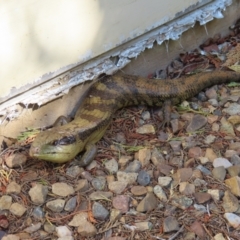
[38,37]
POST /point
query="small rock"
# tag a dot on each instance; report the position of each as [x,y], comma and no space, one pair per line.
[82,185]
[210,154]
[197,122]
[184,174]
[121,202]
[134,166]
[78,219]
[33,228]
[234,146]
[195,152]
[49,228]
[117,186]
[143,226]
[213,102]
[216,194]
[74,171]
[99,182]
[202,197]
[146,129]
[56,205]
[170,224]
[234,184]
[143,178]
[128,177]
[219,173]
[16,160]
[120,138]
[234,170]
[138,190]
[199,182]
[100,195]
[219,236]
[13,187]
[165,169]
[115,214]
[157,157]
[198,229]
[230,202]
[99,211]
[233,219]
[159,192]
[63,231]
[87,229]
[203,160]
[148,203]
[186,188]
[175,124]
[11,237]
[232,109]
[145,115]
[211,93]
[144,156]
[215,127]
[62,189]
[234,119]
[17,209]
[209,139]
[5,202]
[221,162]
[235,160]
[71,204]
[203,170]
[164,181]
[123,160]
[111,165]
[175,145]
[182,202]
[226,127]
[230,153]
[38,213]
[212,118]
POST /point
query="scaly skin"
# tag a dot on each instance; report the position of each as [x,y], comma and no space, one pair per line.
[63,143]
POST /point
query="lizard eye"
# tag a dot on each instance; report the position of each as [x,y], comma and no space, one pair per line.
[64,141]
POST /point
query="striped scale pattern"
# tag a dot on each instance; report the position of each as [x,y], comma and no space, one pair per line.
[109,93]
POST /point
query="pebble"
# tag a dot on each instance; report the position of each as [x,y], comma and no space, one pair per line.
[219,173]
[164,181]
[219,236]
[233,219]
[148,203]
[63,231]
[221,162]
[234,146]
[235,160]
[181,202]
[134,166]
[111,165]
[5,202]
[209,139]
[227,128]
[82,185]
[56,205]
[99,211]
[159,192]
[124,160]
[234,184]
[13,187]
[197,122]
[234,119]
[87,229]
[74,171]
[38,213]
[202,97]
[15,160]
[175,145]
[11,237]
[202,197]
[128,177]
[49,228]
[216,194]
[212,119]
[203,170]
[145,115]
[176,125]
[143,226]
[144,156]
[146,129]
[17,209]
[195,152]
[99,183]
[199,182]
[100,195]
[186,188]
[215,127]
[232,109]
[143,178]
[213,102]
[38,193]
[230,202]
[33,228]
[184,174]
[230,153]
[117,186]
[138,190]
[234,170]
[62,189]
[211,93]
[198,229]
[121,203]
[170,224]
[115,214]
[71,204]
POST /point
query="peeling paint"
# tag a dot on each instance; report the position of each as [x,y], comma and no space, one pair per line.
[58,86]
